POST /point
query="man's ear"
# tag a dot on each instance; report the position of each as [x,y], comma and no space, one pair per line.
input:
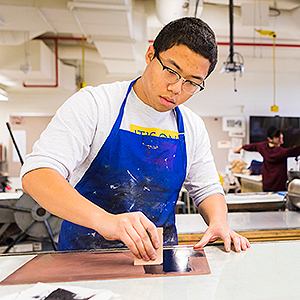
[149,54]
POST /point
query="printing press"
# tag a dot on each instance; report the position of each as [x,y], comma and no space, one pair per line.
[293,190]
[22,219]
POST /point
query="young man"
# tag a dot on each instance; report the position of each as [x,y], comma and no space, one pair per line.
[127,148]
[274,166]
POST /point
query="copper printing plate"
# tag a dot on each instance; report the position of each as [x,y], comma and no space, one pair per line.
[82,266]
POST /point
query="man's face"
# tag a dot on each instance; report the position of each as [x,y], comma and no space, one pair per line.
[164,96]
[277,141]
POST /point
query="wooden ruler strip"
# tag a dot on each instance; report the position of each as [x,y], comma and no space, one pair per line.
[252,236]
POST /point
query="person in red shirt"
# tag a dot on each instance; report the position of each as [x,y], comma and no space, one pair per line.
[274,166]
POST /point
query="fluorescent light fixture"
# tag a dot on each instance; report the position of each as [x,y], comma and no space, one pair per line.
[3,95]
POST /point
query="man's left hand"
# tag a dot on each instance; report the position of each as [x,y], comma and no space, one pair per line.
[222,231]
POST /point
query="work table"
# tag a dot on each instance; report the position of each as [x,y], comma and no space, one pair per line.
[268,270]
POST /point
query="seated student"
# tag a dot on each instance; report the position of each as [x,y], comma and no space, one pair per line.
[274,166]
[127,148]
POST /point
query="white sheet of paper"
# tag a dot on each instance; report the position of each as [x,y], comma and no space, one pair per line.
[20,138]
[41,290]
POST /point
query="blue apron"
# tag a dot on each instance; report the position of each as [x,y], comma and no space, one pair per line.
[130,173]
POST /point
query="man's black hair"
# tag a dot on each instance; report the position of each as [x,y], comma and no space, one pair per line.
[273,132]
[191,32]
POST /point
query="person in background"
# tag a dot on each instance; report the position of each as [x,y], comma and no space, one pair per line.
[127,148]
[274,166]
[4,182]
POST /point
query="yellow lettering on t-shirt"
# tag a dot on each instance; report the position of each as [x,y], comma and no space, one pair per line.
[168,134]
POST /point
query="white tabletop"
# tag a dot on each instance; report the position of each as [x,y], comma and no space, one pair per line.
[257,178]
[244,221]
[243,198]
[265,271]
[11,195]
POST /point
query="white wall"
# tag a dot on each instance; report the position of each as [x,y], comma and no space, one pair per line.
[254,95]
[43,102]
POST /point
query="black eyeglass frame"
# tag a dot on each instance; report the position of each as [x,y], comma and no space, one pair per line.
[201,87]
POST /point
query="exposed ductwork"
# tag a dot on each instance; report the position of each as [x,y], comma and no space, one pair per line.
[56,72]
[169,10]
[56,39]
[119,32]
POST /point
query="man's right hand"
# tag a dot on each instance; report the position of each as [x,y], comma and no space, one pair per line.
[136,231]
[238,149]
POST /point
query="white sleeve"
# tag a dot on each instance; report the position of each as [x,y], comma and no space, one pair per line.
[66,141]
[202,179]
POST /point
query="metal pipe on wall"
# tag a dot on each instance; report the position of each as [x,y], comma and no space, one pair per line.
[55,38]
[260,45]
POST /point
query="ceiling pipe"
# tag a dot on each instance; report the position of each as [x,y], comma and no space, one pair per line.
[55,38]
[231,53]
[65,38]
[251,44]
[169,10]
[260,45]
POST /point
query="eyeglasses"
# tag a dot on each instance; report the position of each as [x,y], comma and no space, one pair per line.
[171,76]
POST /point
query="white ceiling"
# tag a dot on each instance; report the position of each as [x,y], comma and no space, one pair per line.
[119,31]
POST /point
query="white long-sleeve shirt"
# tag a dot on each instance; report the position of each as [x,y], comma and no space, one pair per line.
[81,125]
